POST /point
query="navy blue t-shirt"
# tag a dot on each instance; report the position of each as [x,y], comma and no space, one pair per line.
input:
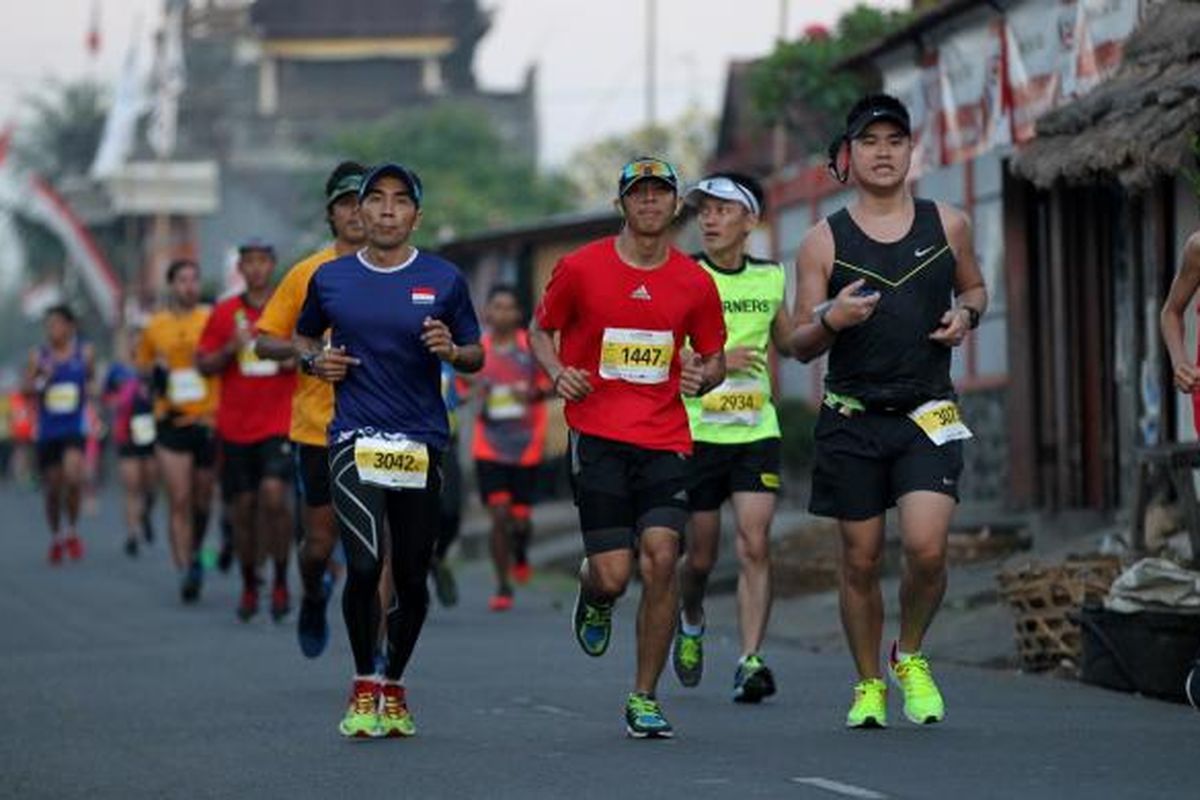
[377,314]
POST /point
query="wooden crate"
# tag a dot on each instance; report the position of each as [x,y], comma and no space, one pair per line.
[1044,598]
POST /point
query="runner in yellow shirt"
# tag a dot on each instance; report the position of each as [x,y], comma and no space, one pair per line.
[184,408]
[312,404]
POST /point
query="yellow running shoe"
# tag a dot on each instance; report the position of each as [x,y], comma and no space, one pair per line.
[362,717]
[394,718]
[869,709]
[922,701]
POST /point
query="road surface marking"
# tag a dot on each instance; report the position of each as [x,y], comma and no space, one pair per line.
[844,789]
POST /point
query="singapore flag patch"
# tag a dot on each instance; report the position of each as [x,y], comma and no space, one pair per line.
[423,295]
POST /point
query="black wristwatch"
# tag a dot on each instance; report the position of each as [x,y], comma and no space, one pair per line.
[308,362]
[972,316]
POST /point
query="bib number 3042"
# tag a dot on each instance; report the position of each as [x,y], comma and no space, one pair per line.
[636,356]
[402,464]
[940,421]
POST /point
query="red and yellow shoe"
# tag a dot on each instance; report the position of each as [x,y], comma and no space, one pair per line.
[395,720]
[500,602]
[362,716]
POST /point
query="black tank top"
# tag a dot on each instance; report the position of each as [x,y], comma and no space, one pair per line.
[889,360]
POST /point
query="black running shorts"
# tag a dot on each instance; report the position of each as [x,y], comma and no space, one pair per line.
[501,484]
[245,465]
[719,470]
[862,464]
[199,440]
[622,489]
[312,474]
[51,451]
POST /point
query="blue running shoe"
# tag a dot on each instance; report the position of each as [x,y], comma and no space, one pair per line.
[644,718]
[592,624]
[313,629]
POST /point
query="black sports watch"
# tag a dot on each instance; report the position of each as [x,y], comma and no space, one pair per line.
[308,362]
[972,316]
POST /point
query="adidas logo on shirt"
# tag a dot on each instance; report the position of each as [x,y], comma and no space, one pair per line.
[640,293]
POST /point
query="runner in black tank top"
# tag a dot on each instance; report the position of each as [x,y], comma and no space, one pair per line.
[887,286]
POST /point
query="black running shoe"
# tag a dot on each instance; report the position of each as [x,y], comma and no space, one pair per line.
[753,680]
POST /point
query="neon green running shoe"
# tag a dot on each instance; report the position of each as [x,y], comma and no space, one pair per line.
[923,703]
[687,657]
[394,717]
[362,717]
[869,709]
[644,718]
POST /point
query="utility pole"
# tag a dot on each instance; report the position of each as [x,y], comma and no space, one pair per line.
[651,61]
[779,134]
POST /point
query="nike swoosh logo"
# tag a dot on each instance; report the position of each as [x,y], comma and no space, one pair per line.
[923,253]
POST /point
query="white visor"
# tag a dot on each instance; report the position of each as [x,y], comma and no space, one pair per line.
[723,189]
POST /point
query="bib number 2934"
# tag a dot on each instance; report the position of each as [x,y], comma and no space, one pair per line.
[402,464]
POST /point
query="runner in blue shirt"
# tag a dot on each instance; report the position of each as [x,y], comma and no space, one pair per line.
[396,314]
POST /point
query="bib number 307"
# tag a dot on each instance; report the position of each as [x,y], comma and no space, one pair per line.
[940,421]
[402,464]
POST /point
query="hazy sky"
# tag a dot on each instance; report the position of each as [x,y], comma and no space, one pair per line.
[590,53]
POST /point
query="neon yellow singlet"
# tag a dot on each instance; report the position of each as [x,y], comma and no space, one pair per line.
[740,409]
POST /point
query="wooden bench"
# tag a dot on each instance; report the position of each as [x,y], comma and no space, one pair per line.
[1177,460]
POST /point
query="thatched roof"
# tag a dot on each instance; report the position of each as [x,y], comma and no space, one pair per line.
[1139,124]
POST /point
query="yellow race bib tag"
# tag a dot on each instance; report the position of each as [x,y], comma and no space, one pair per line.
[62,398]
[636,356]
[250,365]
[737,401]
[401,464]
[940,421]
[142,430]
[186,385]
[503,403]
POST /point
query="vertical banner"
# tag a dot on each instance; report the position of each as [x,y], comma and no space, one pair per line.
[918,88]
[971,82]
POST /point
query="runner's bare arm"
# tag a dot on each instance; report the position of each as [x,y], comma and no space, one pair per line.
[970,292]
[781,330]
[1170,321]
[703,374]
[31,383]
[816,323]
[570,383]
[214,362]
[274,347]
[438,340]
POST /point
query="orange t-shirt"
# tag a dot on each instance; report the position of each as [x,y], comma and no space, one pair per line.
[170,339]
[312,403]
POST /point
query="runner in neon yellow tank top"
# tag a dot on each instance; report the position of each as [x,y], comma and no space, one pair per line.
[736,433]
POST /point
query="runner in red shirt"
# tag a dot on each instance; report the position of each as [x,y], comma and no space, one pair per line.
[510,433]
[253,419]
[623,308]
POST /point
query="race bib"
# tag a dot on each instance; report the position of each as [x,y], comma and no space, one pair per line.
[391,464]
[940,421]
[186,385]
[250,365]
[141,429]
[737,401]
[636,356]
[62,398]
[503,403]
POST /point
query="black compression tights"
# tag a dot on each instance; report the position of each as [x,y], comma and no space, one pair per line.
[365,514]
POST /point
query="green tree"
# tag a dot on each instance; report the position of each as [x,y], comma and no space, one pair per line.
[473,181]
[686,142]
[799,85]
[66,121]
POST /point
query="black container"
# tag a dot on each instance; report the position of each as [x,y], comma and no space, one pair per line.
[1150,652]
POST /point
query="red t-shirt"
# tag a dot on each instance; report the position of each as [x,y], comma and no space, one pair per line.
[625,326]
[256,395]
[510,429]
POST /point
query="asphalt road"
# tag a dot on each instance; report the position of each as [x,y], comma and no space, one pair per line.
[109,688]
